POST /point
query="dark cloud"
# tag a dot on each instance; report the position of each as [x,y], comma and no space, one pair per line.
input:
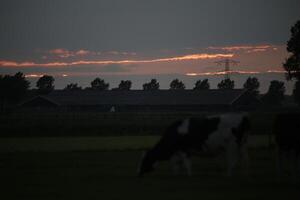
[136,25]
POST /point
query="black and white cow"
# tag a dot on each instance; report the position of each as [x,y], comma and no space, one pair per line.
[213,134]
[287,136]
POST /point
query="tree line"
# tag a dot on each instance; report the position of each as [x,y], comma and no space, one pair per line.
[14,88]
[45,84]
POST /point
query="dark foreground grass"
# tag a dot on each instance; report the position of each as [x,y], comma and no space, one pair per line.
[112,175]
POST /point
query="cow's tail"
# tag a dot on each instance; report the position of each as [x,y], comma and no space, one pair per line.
[140,164]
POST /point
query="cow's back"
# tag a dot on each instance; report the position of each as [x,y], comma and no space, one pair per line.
[198,131]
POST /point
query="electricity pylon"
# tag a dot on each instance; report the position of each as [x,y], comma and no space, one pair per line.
[227,62]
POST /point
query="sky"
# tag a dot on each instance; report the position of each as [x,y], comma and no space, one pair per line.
[77,40]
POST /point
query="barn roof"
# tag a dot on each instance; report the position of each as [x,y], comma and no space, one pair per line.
[140,97]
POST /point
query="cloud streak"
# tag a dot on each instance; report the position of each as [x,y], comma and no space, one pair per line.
[246,48]
[203,56]
[233,72]
[41,75]
[64,53]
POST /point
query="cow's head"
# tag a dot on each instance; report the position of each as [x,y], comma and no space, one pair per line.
[147,163]
[211,124]
[241,131]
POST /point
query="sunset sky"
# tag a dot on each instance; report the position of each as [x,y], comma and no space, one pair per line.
[73,39]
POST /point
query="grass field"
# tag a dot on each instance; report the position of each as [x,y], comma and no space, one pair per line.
[86,156]
[110,173]
[69,124]
[108,143]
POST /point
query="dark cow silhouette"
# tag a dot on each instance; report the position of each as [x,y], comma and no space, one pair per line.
[287,136]
[212,134]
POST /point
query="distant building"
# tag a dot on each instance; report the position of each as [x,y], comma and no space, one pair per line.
[140,100]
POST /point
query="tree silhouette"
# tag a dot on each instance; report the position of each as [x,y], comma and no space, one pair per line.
[19,86]
[202,85]
[125,85]
[12,89]
[177,85]
[252,85]
[72,87]
[226,84]
[292,64]
[45,84]
[99,84]
[296,92]
[275,94]
[152,85]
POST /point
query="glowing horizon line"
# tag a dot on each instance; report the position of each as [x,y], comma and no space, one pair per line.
[41,75]
[187,74]
[232,72]
[107,62]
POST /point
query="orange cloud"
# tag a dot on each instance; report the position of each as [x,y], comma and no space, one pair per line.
[232,72]
[33,75]
[248,48]
[106,62]
[124,53]
[277,71]
[221,73]
[83,52]
[256,50]
[41,75]
[63,53]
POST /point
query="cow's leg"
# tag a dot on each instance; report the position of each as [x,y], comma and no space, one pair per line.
[244,158]
[140,162]
[175,164]
[293,161]
[289,162]
[280,159]
[232,158]
[186,162]
[180,161]
[297,164]
[293,165]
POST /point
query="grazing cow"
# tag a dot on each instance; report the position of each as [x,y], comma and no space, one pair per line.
[213,134]
[287,136]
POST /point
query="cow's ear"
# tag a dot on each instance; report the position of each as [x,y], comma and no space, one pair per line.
[183,129]
[155,165]
[234,132]
[143,154]
[214,122]
[246,123]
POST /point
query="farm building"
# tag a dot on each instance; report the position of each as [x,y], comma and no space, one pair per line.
[139,100]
